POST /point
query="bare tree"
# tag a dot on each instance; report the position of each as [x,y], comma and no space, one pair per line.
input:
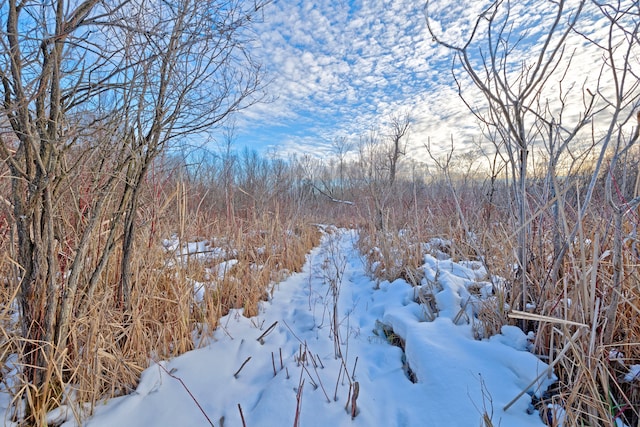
[341,147]
[620,51]
[111,83]
[373,167]
[514,89]
[228,166]
[529,103]
[399,124]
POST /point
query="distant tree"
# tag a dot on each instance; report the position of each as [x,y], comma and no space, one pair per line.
[399,127]
[341,147]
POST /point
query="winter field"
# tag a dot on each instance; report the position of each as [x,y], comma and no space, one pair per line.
[334,347]
[164,166]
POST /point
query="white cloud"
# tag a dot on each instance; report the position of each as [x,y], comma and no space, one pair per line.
[340,67]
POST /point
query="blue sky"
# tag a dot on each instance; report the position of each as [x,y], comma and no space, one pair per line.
[339,68]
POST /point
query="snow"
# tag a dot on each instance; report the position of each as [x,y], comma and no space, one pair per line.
[458,377]
[198,249]
[633,374]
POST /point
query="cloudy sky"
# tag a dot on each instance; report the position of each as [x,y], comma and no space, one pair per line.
[340,68]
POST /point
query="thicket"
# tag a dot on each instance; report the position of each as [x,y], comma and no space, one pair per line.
[575,209]
[262,213]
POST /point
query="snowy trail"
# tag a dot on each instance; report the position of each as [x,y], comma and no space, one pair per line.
[453,370]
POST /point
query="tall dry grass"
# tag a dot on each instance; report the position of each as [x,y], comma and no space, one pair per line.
[262,221]
[110,346]
[596,383]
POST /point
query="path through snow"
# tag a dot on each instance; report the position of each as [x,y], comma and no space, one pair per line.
[457,376]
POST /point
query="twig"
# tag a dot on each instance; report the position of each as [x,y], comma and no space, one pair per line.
[244,424]
[188,391]
[315,368]
[273,363]
[335,393]
[346,405]
[241,366]
[353,373]
[313,359]
[566,348]
[291,330]
[313,383]
[281,365]
[515,314]
[346,371]
[319,361]
[296,421]
[269,329]
[346,375]
[354,398]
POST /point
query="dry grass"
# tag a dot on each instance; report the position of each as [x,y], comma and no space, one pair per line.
[594,389]
[109,347]
[390,256]
[268,239]
[263,257]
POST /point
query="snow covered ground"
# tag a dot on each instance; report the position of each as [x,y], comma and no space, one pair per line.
[291,365]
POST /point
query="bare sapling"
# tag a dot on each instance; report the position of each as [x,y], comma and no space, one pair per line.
[79,88]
